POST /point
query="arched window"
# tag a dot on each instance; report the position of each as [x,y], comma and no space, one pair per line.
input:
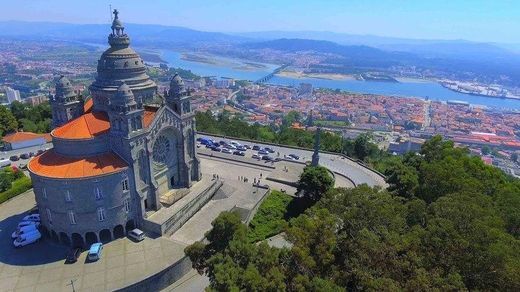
[49,215]
[97,193]
[72,217]
[68,197]
[101,214]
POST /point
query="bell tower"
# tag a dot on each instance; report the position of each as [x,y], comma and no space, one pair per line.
[66,104]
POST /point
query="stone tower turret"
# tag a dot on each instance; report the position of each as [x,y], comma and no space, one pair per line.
[178,98]
[125,112]
[66,104]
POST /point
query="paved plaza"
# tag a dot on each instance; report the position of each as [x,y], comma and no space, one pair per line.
[41,266]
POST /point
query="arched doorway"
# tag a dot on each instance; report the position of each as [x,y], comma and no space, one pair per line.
[130,225]
[119,231]
[91,238]
[54,236]
[105,236]
[64,238]
[77,240]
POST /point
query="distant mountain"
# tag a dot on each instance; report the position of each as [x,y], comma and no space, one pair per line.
[427,48]
[140,34]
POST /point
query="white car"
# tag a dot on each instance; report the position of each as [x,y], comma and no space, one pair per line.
[235,143]
[25,223]
[27,238]
[226,150]
[23,230]
[32,217]
[136,234]
[256,156]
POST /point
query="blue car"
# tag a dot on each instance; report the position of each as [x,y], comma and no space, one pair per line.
[94,253]
[263,152]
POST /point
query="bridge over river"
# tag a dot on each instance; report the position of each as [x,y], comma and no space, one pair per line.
[270,75]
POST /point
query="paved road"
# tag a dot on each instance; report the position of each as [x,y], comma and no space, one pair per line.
[357,173]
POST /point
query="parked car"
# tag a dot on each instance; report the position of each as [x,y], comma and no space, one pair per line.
[256,156]
[256,147]
[23,166]
[24,156]
[266,157]
[5,162]
[31,154]
[25,223]
[136,234]
[32,217]
[239,153]
[296,157]
[94,253]
[246,146]
[23,230]
[14,158]
[226,150]
[241,148]
[231,146]
[269,150]
[217,149]
[73,255]
[235,143]
[27,238]
[39,152]
[263,152]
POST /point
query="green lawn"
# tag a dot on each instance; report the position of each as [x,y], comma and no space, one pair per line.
[18,186]
[273,214]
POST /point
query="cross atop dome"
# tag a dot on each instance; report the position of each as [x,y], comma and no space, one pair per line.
[118,37]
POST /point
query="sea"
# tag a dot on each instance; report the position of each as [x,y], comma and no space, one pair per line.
[221,67]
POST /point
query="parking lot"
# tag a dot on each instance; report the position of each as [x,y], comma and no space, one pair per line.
[41,266]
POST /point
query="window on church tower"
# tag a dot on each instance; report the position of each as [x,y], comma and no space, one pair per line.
[44,193]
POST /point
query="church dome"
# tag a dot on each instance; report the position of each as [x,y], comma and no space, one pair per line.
[120,63]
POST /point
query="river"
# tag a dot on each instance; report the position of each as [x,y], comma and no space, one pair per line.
[233,68]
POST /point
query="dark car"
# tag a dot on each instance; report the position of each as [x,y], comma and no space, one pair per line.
[31,154]
[217,149]
[73,255]
[256,147]
[241,148]
[269,150]
[263,152]
[239,153]
[25,156]
[247,146]
[266,157]
[14,158]
[39,152]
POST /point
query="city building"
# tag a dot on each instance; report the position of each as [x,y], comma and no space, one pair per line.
[128,146]
[21,140]
[12,95]
[224,83]
[36,100]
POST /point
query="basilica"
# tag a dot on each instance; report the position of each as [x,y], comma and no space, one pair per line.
[116,152]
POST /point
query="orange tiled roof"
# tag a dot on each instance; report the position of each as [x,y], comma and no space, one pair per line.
[87,107]
[54,165]
[24,136]
[149,115]
[87,126]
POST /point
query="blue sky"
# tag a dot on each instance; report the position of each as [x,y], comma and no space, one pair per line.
[478,20]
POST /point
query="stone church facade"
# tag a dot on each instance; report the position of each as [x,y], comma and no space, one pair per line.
[116,153]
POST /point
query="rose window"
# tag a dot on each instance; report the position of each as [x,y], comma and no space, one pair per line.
[162,150]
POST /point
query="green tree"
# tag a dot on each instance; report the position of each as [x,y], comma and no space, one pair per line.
[486,150]
[403,180]
[314,182]
[8,122]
